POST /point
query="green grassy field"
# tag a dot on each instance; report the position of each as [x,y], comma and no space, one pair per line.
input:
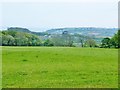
[59,67]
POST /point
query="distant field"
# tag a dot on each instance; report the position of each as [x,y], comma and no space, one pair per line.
[59,67]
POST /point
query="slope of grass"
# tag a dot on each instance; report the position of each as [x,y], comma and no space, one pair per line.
[59,67]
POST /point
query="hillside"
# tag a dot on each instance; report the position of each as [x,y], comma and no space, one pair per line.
[95,33]
[19,29]
[87,31]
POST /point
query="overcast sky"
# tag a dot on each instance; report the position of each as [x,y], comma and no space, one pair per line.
[59,14]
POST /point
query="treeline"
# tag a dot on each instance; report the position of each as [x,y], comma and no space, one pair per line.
[14,38]
[113,42]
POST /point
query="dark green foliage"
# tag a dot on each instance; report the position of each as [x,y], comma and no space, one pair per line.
[14,38]
[106,43]
[48,42]
[0,38]
[12,33]
[114,42]
[116,39]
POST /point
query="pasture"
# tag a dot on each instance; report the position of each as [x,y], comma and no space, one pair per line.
[59,67]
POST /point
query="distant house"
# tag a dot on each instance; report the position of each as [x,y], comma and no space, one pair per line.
[65,32]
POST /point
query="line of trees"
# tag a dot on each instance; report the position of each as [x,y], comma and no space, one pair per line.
[14,38]
[113,42]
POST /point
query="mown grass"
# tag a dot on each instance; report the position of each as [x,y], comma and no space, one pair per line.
[59,67]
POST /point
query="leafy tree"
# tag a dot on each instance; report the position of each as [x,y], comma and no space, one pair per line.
[116,40]
[48,42]
[7,40]
[70,40]
[1,38]
[5,32]
[81,39]
[62,40]
[57,40]
[20,39]
[11,40]
[35,40]
[90,43]
[67,39]
[106,43]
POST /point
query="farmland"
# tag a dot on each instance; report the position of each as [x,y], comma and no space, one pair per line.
[59,67]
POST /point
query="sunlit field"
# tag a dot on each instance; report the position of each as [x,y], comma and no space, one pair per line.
[59,67]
